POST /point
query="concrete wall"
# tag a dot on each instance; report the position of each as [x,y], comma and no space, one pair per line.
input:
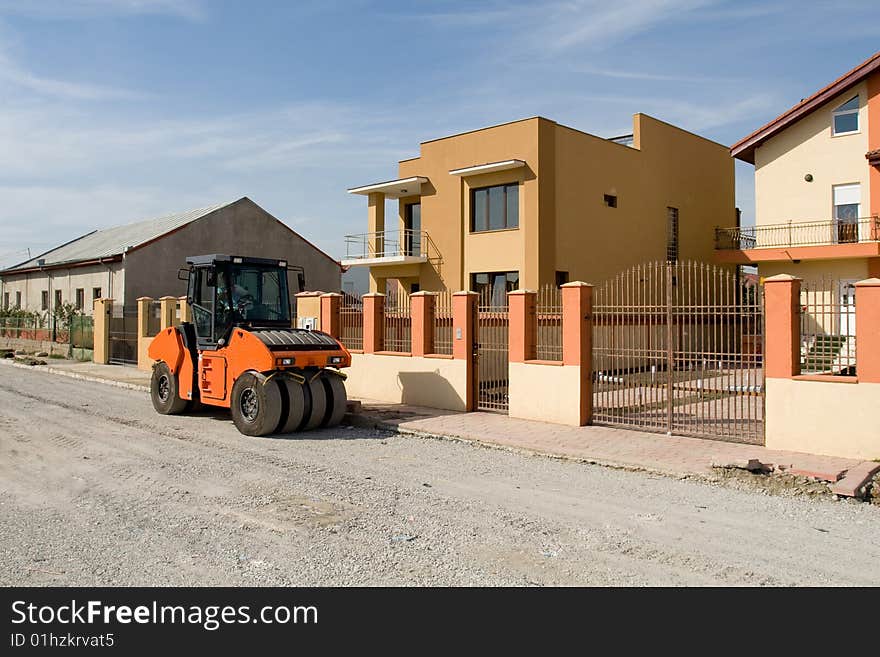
[831,418]
[109,277]
[242,228]
[530,387]
[434,382]
[782,194]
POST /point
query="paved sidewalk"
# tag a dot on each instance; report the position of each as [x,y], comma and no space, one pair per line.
[671,455]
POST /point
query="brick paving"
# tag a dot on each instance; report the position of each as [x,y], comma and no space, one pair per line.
[675,455]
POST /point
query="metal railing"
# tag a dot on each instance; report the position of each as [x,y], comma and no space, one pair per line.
[351,321]
[442,323]
[387,243]
[828,323]
[799,233]
[549,311]
[398,322]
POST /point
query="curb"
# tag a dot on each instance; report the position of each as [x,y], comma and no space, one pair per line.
[363,421]
[48,369]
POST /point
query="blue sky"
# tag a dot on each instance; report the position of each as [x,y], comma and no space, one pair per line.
[115,110]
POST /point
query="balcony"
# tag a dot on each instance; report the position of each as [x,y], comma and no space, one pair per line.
[838,238]
[388,247]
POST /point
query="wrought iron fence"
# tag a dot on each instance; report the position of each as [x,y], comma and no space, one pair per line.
[493,338]
[799,233]
[549,315]
[387,243]
[827,327]
[351,321]
[398,322]
[677,349]
[442,323]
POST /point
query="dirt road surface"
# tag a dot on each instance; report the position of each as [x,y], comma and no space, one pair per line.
[97,489]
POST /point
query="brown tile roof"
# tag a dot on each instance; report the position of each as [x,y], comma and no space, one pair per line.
[873,157]
[744,149]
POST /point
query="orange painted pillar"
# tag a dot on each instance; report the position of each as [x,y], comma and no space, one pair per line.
[374,322]
[874,140]
[868,330]
[422,312]
[331,318]
[782,347]
[523,325]
[577,340]
[464,340]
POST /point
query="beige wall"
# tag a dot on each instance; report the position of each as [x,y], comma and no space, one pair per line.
[564,224]
[782,194]
[548,393]
[433,382]
[835,419]
[668,167]
[815,270]
[109,277]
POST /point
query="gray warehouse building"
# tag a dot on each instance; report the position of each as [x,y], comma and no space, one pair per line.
[142,259]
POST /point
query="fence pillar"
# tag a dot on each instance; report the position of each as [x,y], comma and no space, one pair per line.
[167,312]
[143,329]
[308,304]
[331,317]
[782,298]
[422,311]
[577,340]
[868,330]
[374,322]
[523,326]
[464,340]
[101,336]
[185,310]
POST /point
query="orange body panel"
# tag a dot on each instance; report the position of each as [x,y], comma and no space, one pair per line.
[218,369]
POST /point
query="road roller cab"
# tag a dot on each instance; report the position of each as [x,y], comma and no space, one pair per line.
[240,351]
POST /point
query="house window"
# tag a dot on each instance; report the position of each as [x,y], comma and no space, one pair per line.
[671,234]
[495,208]
[494,286]
[561,278]
[80,298]
[412,223]
[44,300]
[96,293]
[18,299]
[845,119]
[610,200]
[847,207]
[58,299]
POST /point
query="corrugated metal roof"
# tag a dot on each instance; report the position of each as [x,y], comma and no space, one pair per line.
[114,241]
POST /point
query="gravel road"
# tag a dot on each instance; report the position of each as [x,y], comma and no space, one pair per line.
[97,489]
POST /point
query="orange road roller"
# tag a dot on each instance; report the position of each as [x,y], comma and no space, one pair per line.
[240,351]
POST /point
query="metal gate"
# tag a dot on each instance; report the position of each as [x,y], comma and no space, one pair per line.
[124,334]
[678,348]
[492,352]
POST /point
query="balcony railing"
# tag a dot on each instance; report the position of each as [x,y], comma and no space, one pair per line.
[797,233]
[388,243]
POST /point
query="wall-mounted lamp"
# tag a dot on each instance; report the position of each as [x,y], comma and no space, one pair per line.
[809,177]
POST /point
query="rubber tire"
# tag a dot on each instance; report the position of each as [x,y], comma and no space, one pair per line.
[173,405]
[293,396]
[268,404]
[337,399]
[317,408]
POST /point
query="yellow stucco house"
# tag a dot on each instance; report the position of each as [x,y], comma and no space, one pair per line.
[817,185]
[532,202]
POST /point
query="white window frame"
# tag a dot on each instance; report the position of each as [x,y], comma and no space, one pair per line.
[838,112]
[841,190]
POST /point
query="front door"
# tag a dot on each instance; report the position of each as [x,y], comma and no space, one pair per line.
[412,223]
